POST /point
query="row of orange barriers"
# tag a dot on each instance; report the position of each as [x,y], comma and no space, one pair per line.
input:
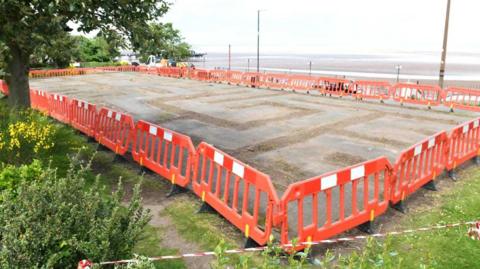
[310,210]
[429,95]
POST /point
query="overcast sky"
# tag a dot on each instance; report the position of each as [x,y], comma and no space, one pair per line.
[319,26]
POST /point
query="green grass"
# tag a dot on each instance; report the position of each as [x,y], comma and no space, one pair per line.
[149,246]
[447,248]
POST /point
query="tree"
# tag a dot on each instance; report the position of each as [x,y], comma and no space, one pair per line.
[160,39]
[53,222]
[58,51]
[25,25]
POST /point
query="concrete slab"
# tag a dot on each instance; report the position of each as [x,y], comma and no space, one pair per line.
[291,136]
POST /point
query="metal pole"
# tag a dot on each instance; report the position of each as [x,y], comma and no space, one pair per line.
[310,68]
[258,41]
[444,50]
[248,65]
[229,57]
[398,74]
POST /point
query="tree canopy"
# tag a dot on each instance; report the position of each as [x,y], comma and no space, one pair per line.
[160,39]
[27,25]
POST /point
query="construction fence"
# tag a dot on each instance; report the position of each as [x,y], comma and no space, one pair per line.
[313,209]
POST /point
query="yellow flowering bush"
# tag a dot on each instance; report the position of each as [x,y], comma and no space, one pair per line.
[25,136]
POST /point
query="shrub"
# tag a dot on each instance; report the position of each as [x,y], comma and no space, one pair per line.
[53,222]
[11,176]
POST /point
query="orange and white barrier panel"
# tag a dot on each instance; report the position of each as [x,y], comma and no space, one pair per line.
[364,89]
[243,195]
[463,143]
[419,165]
[462,98]
[84,117]
[323,206]
[59,107]
[165,152]
[429,95]
[114,130]
[333,86]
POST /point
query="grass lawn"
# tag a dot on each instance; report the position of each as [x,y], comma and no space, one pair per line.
[447,248]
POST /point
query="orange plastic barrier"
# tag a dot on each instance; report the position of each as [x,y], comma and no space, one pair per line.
[59,107]
[114,130]
[39,100]
[462,98]
[335,202]
[4,87]
[218,76]
[364,89]
[174,72]
[241,194]
[250,79]
[274,81]
[418,165]
[234,77]
[84,117]
[463,144]
[333,86]
[199,74]
[300,82]
[167,153]
[430,95]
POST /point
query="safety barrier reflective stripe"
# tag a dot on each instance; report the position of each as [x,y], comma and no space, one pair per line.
[370,89]
[243,195]
[274,81]
[4,87]
[114,130]
[430,95]
[234,77]
[59,107]
[463,144]
[39,100]
[83,117]
[418,165]
[462,98]
[167,153]
[218,76]
[335,202]
[333,86]
[299,82]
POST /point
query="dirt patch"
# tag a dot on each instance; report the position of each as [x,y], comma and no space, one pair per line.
[342,158]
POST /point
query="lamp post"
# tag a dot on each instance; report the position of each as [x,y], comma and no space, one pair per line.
[444,49]
[248,65]
[258,40]
[310,68]
[229,57]
[398,67]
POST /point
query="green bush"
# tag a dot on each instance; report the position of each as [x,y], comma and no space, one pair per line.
[99,64]
[53,222]
[11,176]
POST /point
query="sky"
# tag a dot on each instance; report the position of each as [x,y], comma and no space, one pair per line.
[326,26]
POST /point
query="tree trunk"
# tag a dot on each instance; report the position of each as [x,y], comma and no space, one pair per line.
[17,78]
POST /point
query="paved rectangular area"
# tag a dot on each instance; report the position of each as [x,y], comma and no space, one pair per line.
[290,136]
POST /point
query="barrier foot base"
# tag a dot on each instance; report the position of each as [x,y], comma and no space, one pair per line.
[90,140]
[476,160]
[451,110]
[206,208]
[367,227]
[142,170]
[308,92]
[250,243]
[430,186]
[452,175]
[381,101]
[176,189]
[118,158]
[400,206]
[101,147]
